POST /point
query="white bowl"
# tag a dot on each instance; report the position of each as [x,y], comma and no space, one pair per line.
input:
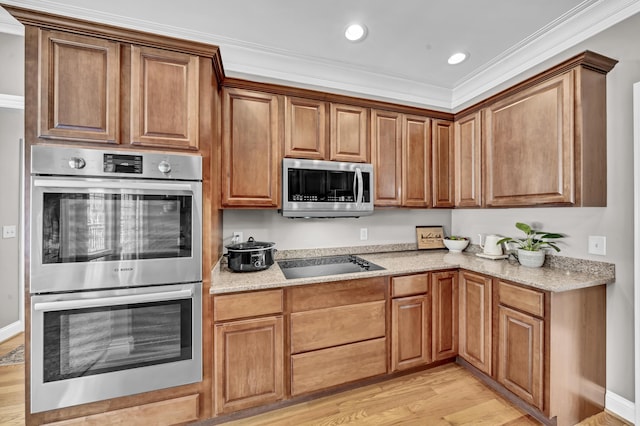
[456,246]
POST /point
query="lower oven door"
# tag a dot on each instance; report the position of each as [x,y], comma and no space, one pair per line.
[92,346]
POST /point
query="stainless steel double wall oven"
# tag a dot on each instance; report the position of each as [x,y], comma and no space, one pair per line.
[115,272]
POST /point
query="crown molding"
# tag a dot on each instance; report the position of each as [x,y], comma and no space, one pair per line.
[249,60]
[11,101]
[8,25]
[585,24]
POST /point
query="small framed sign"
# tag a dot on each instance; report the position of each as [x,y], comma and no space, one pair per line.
[429,237]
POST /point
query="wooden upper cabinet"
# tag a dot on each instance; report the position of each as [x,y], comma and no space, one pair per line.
[529,146]
[386,156]
[164,98]
[443,164]
[73,105]
[305,128]
[416,161]
[348,140]
[468,161]
[250,149]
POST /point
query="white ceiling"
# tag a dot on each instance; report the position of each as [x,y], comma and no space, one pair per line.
[403,58]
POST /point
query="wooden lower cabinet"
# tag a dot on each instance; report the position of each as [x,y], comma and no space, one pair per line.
[521,355]
[325,368]
[475,320]
[444,296]
[410,332]
[249,363]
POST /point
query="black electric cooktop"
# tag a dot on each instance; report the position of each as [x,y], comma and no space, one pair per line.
[326,265]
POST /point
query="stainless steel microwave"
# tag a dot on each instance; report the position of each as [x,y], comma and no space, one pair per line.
[314,188]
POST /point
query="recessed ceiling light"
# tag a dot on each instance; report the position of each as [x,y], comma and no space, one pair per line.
[458,57]
[355,32]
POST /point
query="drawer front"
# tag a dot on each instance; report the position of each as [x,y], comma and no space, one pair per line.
[244,305]
[325,368]
[524,299]
[409,285]
[328,327]
[173,411]
[340,293]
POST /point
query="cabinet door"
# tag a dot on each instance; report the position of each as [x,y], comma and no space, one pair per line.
[443,166]
[529,152]
[249,363]
[348,133]
[164,98]
[305,128]
[78,106]
[250,149]
[410,339]
[444,295]
[416,161]
[386,148]
[475,320]
[468,161]
[520,355]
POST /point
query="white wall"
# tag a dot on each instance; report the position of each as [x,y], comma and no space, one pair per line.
[615,221]
[11,130]
[384,227]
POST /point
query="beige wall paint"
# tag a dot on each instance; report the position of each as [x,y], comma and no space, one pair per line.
[11,65]
[614,221]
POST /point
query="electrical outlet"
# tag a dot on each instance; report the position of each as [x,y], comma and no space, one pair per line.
[237,237]
[597,245]
[364,234]
[9,231]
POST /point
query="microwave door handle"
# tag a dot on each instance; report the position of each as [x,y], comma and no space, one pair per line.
[64,305]
[80,184]
[360,187]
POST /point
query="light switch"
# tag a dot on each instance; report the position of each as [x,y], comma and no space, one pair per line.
[9,231]
[597,245]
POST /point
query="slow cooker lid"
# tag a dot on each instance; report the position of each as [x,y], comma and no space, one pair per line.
[250,244]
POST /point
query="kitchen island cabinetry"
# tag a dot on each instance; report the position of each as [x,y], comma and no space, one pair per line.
[555,123]
[444,296]
[475,320]
[249,352]
[338,333]
[410,322]
[468,160]
[251,148]
[127,94]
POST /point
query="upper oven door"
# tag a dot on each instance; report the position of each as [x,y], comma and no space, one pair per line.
[104,233]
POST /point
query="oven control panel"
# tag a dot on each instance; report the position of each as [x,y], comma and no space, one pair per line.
[63,161]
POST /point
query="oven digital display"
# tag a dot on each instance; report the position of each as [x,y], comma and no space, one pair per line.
[119,163]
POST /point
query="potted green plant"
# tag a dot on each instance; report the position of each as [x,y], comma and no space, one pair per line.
[530,248]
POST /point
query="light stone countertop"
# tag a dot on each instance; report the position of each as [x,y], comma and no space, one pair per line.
[547,278]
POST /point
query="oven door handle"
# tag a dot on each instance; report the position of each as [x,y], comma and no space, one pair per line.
[80,184]
[64,305]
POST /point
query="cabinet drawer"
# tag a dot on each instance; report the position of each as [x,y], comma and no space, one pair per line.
[409,285]
[325,368]
[328,327]
[341,293]
[524,299]
[244,305]
[169,412]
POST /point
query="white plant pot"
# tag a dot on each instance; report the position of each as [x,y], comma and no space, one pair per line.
[531,259]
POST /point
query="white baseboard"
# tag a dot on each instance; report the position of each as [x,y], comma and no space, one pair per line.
[620,406]
[11,330]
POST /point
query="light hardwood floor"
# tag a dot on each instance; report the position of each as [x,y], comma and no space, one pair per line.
[446,395]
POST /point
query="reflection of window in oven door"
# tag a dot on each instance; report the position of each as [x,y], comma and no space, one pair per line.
[161,227]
